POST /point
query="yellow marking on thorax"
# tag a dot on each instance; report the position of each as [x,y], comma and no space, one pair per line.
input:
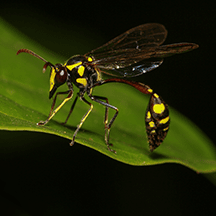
[150,90]
[82,81]
[89,59]
[156,95]
[52,78]
[81,70]
[71,67]
[159,108]
[165,120]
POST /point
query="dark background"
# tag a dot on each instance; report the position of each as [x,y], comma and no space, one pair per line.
[49,178]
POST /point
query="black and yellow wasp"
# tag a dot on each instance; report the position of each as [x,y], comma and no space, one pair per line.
[132,53]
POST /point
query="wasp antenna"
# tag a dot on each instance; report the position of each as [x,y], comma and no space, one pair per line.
[46,65]
[31,53]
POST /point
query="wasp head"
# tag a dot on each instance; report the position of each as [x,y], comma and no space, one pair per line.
[58,73]
[58,76]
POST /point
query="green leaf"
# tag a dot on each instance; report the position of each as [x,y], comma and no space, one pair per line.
[24,102]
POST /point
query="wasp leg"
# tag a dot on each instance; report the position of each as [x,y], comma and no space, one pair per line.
[106,109]
[82,120]
[107,125]
[52,113]
[71,110]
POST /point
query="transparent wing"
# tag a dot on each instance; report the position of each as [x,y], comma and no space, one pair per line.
[147,35]
[126,49]
[141,67]
[129,54]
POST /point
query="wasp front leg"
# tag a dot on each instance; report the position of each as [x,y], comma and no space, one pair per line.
[71,110]
[52,113]
[82,120]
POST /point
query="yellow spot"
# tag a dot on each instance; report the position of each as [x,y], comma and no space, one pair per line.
[150,90]
[81,70]
[156,95]
[164,121]
[153,131]
[148,115]
[82,81]
[151,124]
[52,78]
[159,108]
[165,128]
[89,59]
[71,67]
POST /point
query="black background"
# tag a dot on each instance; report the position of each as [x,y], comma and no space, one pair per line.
[49,178]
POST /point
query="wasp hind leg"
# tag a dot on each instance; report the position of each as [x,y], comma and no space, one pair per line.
[107,125]
[157,121]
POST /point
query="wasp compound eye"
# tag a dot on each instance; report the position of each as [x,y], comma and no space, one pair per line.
[61,76]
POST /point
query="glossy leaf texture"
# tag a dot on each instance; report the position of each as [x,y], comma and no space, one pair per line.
[24,102]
